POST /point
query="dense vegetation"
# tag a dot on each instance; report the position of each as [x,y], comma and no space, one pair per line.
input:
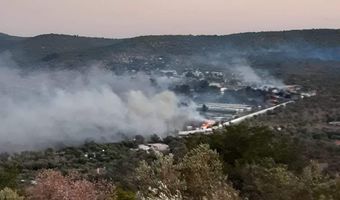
[238,162]
[309,118]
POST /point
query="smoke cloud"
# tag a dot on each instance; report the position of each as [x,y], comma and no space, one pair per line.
[43,109]
[254,78]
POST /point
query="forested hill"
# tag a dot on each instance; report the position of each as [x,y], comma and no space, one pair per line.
[6,41]
[53,49]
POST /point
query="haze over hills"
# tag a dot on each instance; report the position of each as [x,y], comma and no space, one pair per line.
[159,51]
[63,109]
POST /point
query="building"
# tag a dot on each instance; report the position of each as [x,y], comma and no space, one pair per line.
[224,107]
[156,147]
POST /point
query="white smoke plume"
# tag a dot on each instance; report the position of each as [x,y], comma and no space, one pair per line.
[42,109]
[251,77]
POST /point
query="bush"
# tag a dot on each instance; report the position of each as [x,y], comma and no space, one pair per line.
[9,194]
[198,176]
[53,185]
[124,194]
[8,176]
[277,182]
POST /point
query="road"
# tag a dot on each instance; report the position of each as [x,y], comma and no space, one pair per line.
[234,121]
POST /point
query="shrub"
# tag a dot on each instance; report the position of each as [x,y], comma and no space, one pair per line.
[53,185]
[9,194]
[198,176]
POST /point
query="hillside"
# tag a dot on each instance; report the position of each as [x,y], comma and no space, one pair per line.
[53,49]
[6,41]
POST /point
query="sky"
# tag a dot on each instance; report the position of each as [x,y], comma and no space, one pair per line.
[129,18]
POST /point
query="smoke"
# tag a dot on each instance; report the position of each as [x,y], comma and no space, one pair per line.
[249,76]
[43,109]
[230,62]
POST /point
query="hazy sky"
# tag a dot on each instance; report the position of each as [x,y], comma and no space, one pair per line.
[126,18]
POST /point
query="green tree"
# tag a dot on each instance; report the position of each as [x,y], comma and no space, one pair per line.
[9,194]
[125,194]
[159,178]
[198,176]
[8,177]
[240,145]
[319,185]
[274,181]
[154,138]
[203,175]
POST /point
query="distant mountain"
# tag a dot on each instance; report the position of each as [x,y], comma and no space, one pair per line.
[6,41]
[4,36]
[47,47]
[165,51]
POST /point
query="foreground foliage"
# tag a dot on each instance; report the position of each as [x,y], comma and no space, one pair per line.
[55,186]
[198,176]
[238,162]
[273,181]
[9,194]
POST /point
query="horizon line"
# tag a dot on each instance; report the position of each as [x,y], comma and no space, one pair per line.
[159,35]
